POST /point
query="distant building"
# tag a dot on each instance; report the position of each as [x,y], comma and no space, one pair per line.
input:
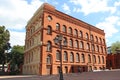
[113,60]
[85,49]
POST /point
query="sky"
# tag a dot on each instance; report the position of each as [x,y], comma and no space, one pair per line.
[104,14]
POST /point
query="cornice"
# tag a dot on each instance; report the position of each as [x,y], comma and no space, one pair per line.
[72,20]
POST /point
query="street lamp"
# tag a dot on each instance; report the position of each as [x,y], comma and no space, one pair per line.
[58,41]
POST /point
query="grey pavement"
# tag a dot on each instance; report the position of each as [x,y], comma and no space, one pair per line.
[101,75]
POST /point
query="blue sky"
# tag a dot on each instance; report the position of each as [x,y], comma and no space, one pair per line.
[104,14]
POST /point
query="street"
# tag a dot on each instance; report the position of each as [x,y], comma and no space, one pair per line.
[102,75]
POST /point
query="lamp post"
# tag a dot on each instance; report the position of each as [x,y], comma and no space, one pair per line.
[58,41]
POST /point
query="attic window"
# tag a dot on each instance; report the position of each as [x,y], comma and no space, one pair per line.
[49,18]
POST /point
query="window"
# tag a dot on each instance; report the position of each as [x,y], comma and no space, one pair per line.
[58,26]
[87,37]
[48,59]
[65,41]
[81,44]
[65,56]
[98,59]
[100,40]
[75,32]
[88,46]
[77,57]
[104,41]
[94,59]
[49,31]
[101,49]
[71,43]
[58,55]
[49,18]
[66,69]
[93,47]
[81,34]
[49,46]
[76,44]
[64,28]
[92,38]
[103,60]
[96,38]
[89,58]
[58,69]
[71,57]
[83,58]
[97,48]
[70,30]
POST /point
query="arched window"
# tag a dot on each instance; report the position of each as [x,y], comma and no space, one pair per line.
[49,31]
[94,59]
[71,57]
[66,69]
[71,43]
[100,40]
[96,38]
[81,34]
[65,41]
[65,56]
[87,36]
[76,44]
[88,46]
[81,45]
[97,48]
[48,60]
[77,57]
[83,58]
[89,58]
[103,60]
[49,18]
[58,26]
[58,55]
[70,30]
[93,47]
[64,29]
[75,32]
[98,59]
[49,46]
[101,49]
[92,38]
[104,41]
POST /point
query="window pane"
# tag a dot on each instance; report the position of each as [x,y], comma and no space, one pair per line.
[65,56]
[77,57]
[58,55]
[49,46]
[57,26]
[71,57]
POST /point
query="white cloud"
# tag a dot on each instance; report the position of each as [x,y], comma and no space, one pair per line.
[16,12]
[66,8]
[109,25]
[17,38]
[14,15]
[92,6]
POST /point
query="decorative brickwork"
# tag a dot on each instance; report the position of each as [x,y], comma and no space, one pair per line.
[85,49]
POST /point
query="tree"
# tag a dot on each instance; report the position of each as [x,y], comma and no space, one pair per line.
[115,46]
[4,44]
[16,57]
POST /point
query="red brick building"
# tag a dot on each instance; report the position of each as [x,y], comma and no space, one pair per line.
[113,60]
[84,45]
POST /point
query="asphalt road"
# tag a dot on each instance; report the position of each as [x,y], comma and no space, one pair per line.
[102,75]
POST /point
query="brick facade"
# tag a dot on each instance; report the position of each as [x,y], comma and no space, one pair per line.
[113,61]
[85,49]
